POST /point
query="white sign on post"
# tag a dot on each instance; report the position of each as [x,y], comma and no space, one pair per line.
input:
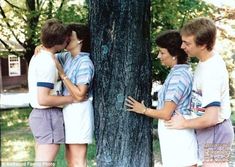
[14,65]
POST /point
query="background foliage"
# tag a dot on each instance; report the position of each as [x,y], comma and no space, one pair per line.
[172,14]
[21,22]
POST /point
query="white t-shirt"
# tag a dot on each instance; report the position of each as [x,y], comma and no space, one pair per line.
[211,87]
[42,72]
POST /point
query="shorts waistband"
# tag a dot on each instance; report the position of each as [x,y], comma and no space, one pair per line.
[49,108]
[222,121]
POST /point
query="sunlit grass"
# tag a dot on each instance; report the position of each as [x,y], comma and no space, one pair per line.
[17,142]
[16,139]
[14,118]
[17,147]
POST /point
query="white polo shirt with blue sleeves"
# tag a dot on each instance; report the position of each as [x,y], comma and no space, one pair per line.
[42,72]
[213,91]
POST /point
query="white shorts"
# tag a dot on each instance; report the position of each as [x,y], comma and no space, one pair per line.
[79,122]
[178,147]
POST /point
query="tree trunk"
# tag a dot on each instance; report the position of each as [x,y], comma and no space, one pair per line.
[120,33]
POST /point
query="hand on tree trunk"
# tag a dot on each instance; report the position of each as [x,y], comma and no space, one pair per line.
[135,106]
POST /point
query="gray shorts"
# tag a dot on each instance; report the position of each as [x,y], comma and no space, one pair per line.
[47,125]
[215,143]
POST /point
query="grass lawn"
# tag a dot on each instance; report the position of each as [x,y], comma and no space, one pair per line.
[17,143]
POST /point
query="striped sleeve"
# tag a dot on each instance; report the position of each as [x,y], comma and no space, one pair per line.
[85,73]
[176,87]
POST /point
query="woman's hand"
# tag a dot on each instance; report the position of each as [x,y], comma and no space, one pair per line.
[177,121]
[59,68]
[81,98]
[38,49]
[135,106]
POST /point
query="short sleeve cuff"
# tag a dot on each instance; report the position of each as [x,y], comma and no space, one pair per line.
[45,84]
[214,104]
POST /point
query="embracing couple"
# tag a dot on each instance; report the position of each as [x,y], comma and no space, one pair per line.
[60,89]
[193,111]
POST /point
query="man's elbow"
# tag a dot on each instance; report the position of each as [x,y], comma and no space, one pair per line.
[166,117]
[209,122]
[212,122]
[79,98]
[211,116]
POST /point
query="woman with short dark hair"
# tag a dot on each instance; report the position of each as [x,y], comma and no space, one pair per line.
[178,147]
[77,72]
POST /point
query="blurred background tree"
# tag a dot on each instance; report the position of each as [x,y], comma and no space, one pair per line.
[172,14]
[20,21]
[225,22]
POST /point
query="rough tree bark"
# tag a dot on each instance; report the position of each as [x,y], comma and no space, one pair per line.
[121,54]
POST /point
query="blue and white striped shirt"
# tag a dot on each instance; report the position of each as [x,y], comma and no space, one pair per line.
[177,88]
[79,69]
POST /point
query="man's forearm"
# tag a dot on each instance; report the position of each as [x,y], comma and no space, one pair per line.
[210,118]
[55,100]
[197,123]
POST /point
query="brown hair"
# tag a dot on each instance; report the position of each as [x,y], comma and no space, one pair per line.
[53,33]
[204,31]
[83,33]
[171,40]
